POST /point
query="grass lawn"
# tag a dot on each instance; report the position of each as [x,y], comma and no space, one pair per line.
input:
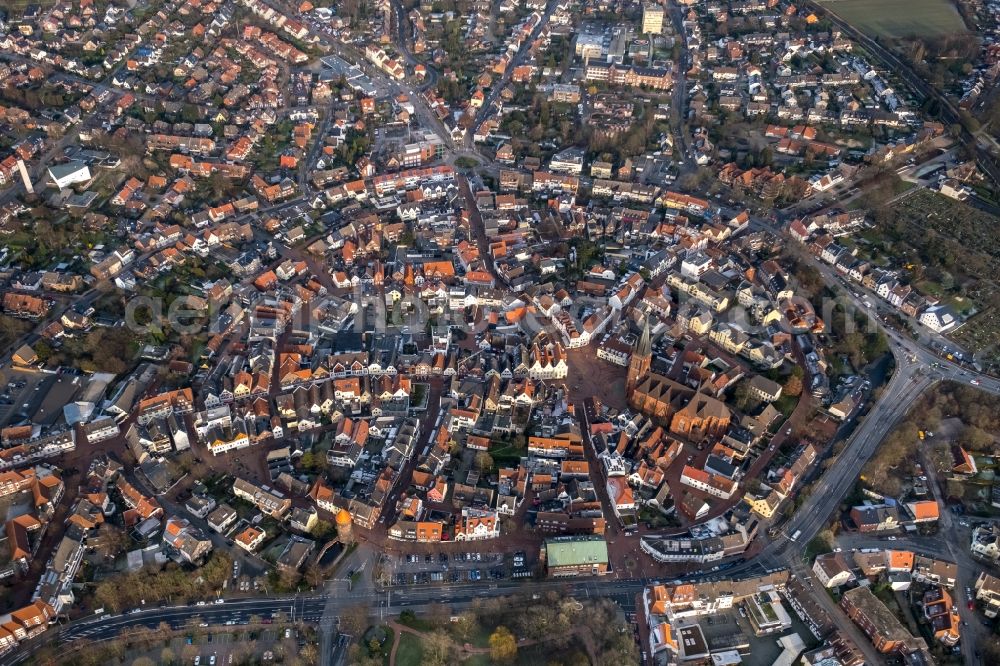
[410,651]
[986,193]
[654,518]
[931,288]
[273,550]
[961,305]
[504,453]
[899,18]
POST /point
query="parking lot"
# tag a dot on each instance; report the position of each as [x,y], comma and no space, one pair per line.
[18,389]
[243,579]
[416,569]
[221,648]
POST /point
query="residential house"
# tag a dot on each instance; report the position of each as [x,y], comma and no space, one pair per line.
[831,570]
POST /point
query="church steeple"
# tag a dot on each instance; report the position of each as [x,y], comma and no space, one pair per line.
[638,365]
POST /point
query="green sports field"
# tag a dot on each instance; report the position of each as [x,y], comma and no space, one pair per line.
[899,18]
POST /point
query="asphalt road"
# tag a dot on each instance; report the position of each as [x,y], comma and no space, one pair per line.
[487,108]
[904,387]
[947,113]
[319,609]
[946,546]
[917,368]
[909,381]
[678,101]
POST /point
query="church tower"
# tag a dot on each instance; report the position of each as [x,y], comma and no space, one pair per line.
[638,365]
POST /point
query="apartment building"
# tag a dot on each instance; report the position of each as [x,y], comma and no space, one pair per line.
[879,623]
[270,502]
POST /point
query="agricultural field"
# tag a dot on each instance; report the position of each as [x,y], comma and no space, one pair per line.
[899,18]
[17,7]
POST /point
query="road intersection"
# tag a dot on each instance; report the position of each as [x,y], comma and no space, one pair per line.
[908,382]
[917,369]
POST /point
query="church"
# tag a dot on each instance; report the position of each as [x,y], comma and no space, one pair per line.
[682,409]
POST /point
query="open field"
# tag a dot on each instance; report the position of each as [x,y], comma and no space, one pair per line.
[899,18]
[17,7]
[410,651]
